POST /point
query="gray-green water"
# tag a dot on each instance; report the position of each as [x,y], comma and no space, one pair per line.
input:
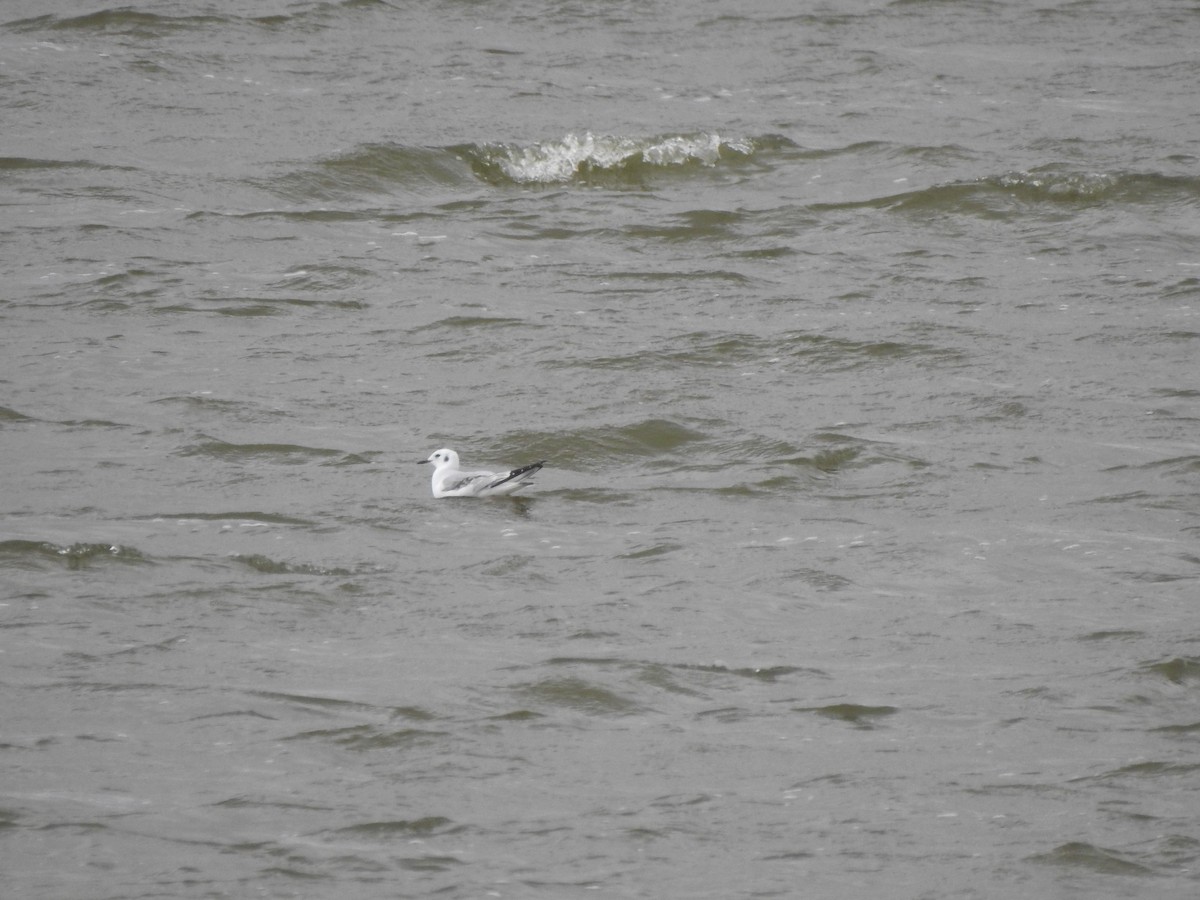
[861,338]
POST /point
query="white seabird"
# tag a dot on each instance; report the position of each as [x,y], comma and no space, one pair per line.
[451,481]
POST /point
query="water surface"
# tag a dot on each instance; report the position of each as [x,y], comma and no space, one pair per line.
[861,340]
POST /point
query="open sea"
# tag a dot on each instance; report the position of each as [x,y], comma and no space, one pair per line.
[862,338]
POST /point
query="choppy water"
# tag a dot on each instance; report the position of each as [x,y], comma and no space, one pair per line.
[862,343]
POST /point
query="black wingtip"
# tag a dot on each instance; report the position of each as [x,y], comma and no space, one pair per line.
[525,470]
[517,473]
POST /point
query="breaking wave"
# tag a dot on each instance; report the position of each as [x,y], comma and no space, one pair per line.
[588,156]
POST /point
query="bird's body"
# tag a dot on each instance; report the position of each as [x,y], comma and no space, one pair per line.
[451,481]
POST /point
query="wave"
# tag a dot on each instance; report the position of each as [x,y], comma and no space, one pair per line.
[290,454]
[826,354]
[134,23]
[1050,188]
[373,169]
[607,445]
[125,20]
[11,415]
[269,566]
[31,554]
[21,163]
[742,464]
[1052,184]
[588,159]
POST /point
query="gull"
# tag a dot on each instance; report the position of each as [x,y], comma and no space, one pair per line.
[451,481]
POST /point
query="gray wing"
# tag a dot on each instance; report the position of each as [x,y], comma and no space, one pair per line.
[470,479]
